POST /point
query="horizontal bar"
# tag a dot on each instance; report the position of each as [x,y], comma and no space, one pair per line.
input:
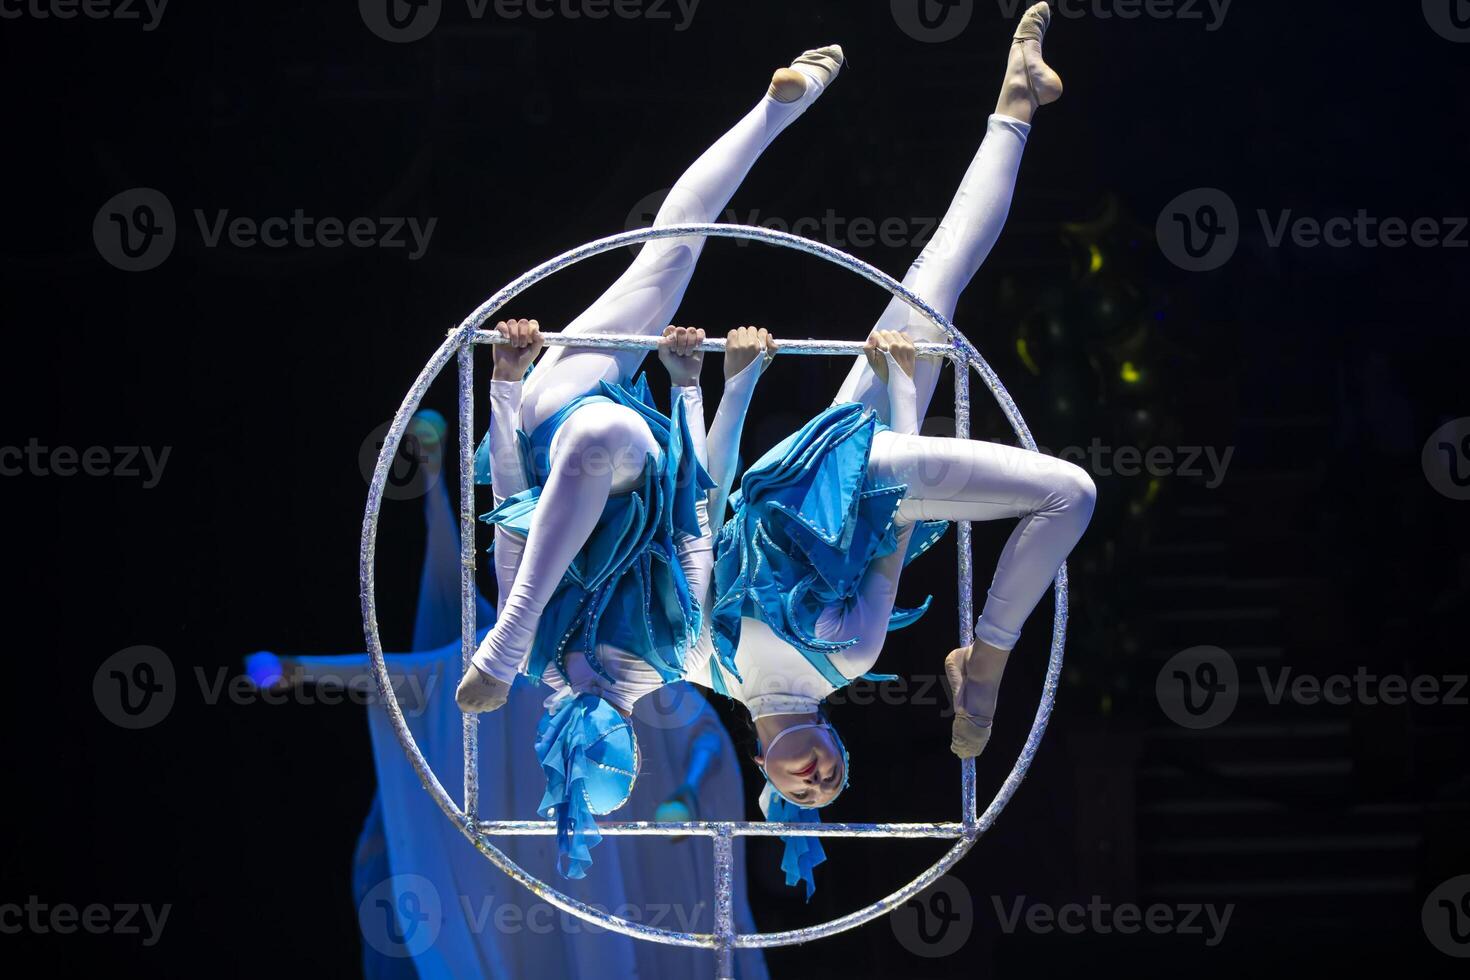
[712,828]
[609,341]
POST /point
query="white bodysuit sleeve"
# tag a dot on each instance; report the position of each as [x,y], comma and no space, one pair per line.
[697,554]
[724,438]
[507,475]
[507,478]
[903,400]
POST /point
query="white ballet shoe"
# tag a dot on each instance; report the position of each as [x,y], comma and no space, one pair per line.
[969,731]
[808,75]
[1043,84]
[478,692]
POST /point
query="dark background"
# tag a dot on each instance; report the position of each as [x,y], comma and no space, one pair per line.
[1325,548]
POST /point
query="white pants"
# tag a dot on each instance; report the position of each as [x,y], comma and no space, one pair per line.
[600,450]
[963,479]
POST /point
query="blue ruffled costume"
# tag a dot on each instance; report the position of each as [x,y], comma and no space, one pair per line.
[590,759]
[807,523]
[626,587]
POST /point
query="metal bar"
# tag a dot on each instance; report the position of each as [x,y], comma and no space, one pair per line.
[713,828]
[964,546]
[724,905]
[470,721]
[608,341]
[465,335]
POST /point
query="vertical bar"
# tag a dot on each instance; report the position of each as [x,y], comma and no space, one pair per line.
[467,593]
[724,904]
[966,573]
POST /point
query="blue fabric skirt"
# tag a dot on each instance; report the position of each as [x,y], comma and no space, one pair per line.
[807,523]
[626,587]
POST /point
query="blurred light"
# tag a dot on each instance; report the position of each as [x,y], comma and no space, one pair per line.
[1130,374]
[1096,264]
[1024,353]
[264,669]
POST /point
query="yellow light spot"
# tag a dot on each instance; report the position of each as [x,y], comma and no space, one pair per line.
[1024,353]
[1095,266]
[1130,374]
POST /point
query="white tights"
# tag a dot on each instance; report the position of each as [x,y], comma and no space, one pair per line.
[964,479]
[600,450]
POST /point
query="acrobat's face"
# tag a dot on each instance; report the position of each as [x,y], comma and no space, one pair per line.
[807,766]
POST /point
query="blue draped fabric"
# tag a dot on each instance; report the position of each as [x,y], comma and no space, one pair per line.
[625,588]
[406,838]
[799,855]
[806,525]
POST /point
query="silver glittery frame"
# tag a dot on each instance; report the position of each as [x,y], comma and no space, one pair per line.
[460,345]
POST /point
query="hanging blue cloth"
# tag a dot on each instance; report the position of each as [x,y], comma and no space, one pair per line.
[799,855]
[590,758]
[807,523]
[626,587]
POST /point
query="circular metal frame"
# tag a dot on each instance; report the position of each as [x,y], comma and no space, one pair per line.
[463,337]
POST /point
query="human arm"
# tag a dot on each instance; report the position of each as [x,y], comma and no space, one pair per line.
[747,352]
[885,349]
